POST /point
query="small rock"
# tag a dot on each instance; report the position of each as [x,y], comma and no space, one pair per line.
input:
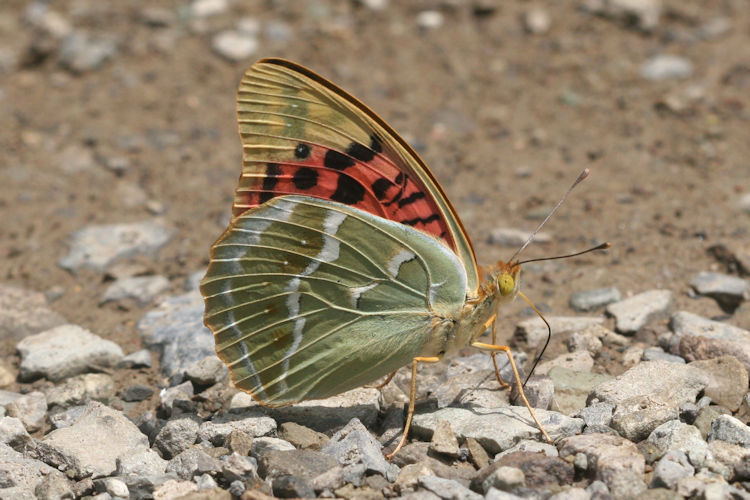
[81,389]
[207,371]
[572,388]
[666,67]
[81,52]
[447,488]
[206,8]
[430,19]
[728,291]
[292,487]
[176,436]
[533,332]
[22,475]
[658,354]
[240,443]
[353,445]
[13,433]
[537,22]
[78,448]
[234,45]
[97,246]
[66,418]
[137,392]
[597,414]
[504,479]
[30,409]
[444,441]
[701,338]
[178,393]
[325,414]
[217,430]
[65,351]
[510,237]
[303,463]
[302,437]
[205,482]
[675,435]
[729,429]
[643,14]
[76,158]
[193,461]
[637,311]
[672,467]
[116,487]
[477,455]
[176,329]
[727,380]
[172,489]
[579,361]
[142,289]
[264,444]
[585,341]
[531,447]
[137,359]
[590,300]
[24,313]
[143,462]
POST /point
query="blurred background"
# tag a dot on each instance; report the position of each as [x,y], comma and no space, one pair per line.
[124,113]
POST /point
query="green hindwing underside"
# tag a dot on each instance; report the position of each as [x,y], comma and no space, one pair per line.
[309,298]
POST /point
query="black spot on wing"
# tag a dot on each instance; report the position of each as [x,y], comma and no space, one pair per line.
[348,191]
[302,151]
[420,220]
[360,152]
[417,195]
[305,178]
[337,161]
[380,187]
[273,171]
[375,144]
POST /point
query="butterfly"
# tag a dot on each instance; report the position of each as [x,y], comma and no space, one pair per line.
[344,260]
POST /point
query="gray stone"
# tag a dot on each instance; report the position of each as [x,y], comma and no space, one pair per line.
[136,393]
[205,482]
[353,445]
[234,45]
[20,476]
[731,430]
[78,448]
[292,487]
[530,446]
[239,468]
[499,428]
[207,371]
[116,487]
[729,291]
[648,395]
[67,417]
[578,361]
[443,440]
[65,351]
[143,462]
[175,329]
[610,458]
[7,397]
[533,332]
[81,52]
[304,463]
[666,67]
[24,313]
[585,340]
[142,289]
[98,246]
[30,409]
[732,456]
[137,359]
[193,462]
[572,388]
[179,393]
[54,486]
[597,414]
[326,414]
[504,479]
[263,444]
[302,437]
[13,434]
[217,430]
[590,300]
[539,391]
[658,354]
[173,489]
[727,380]
[637,311]
[430,19]
[536,21]
[80,389]
[642,14]
[675,435]
[176,436]
[670,469]
[701,338]
[447,488]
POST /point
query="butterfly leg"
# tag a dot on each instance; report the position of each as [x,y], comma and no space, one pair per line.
[506,350]
[384,383]
[503,383]
[412,398]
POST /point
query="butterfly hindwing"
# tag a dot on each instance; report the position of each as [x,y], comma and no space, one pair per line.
[308,298]
[303,135]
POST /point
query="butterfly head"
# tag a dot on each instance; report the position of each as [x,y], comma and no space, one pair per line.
[508,280]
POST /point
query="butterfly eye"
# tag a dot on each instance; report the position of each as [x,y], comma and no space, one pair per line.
[506,284]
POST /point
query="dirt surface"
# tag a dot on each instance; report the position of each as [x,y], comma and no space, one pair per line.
[505,118]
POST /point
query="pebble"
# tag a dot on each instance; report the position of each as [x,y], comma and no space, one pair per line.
[302,437]
[292,487]
[666,67]
[444,441]
[207,371]
[658,354]
[303,463]
[193,461]
[175,328]
[701,338]
[533,332]
[206,8]
[591,300]
[676,435]
[496,429]
[537,21]
[14,434]
[430,19]
[540,470]
[731,430]
[76,158]
[78,448]
[728,291]
[511,237]
[22,475]
[727,380]
[81,52]
[648,395]
[217,430]
[137,392]
[141,289]
[635,312]
[25,312]
[81,389]
[65,351]
[670,469]
[176,436]
[572,388]
[447,488]
[137,359]
[98,246]
[644,14]
[354,445]
[234,45]
[30,409]
[579,361]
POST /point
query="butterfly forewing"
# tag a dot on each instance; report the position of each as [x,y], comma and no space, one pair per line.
[308,298]
[303,135]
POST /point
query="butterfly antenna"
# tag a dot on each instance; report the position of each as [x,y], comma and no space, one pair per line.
[546,343]
[580,178]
